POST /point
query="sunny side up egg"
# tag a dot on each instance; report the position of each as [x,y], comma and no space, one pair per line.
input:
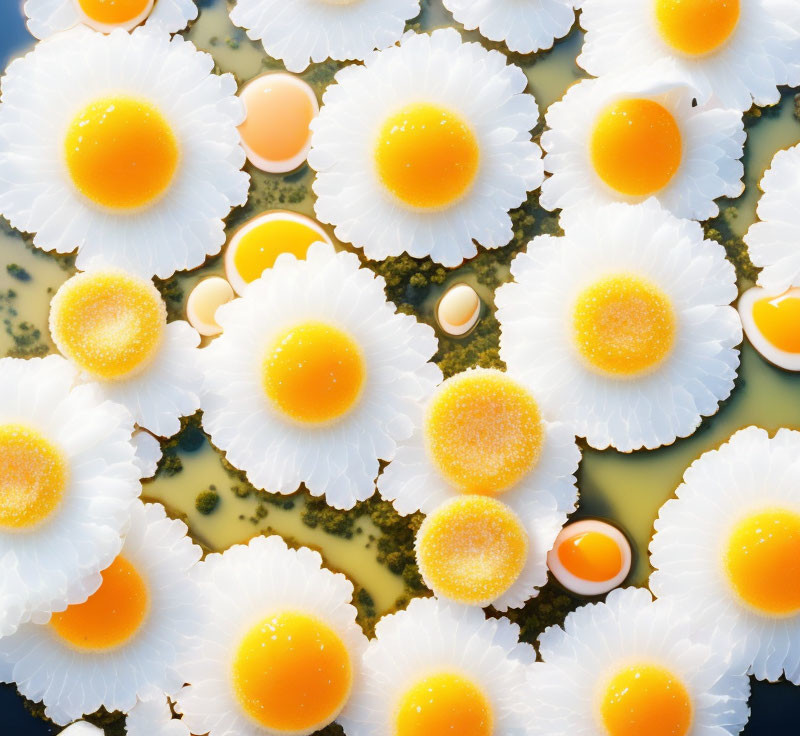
[105,15]
[772,324]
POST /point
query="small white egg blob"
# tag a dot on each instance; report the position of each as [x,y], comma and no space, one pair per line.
[772,325]
[82,728]
[201,306]
[459,310]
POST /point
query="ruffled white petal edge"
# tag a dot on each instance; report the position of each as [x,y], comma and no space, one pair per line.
[148,453]
[154,718]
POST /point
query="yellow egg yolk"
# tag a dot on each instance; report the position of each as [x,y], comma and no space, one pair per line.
[109,323]
[444,704]
[483,431]
[121,153]
[113,12]
[646,700]
[591,556]
[314,372]
[111,616]
[292,672]
[472,549]
[697,27]
[636,147]
[763,561]
[778,320]
[33,477]
[427,156]
[624,325]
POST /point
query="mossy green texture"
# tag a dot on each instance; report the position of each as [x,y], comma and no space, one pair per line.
[207,501]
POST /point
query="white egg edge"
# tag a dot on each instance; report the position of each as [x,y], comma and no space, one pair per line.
[109,27]
[776,356]
[205,328]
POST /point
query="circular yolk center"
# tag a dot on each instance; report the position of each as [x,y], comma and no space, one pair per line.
[111,616]
[259,248]
[778,320]
[292,672]
[33,477]
[314,373]
[109,323]
[636,147]
[645,699]
[113,12]
[427,156]
[472,549]
[591,556]
[763,561]
[121,153]
[483,431]
[444,704]
[696,27]
[624,325]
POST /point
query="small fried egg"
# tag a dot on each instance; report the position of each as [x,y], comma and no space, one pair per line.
[204,301]
[459,310]
[772,324]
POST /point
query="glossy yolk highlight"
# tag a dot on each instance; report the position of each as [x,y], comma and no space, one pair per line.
[778,320]
[591,556]
[314,373]
[112,12]
[121,153]
[636,147]
[645,699]
[111,616]
[444,704]
[697,27]
[33,477]
[292,672]
[624,325]
[483,432]
[427,156]
[259,248]
[763,561]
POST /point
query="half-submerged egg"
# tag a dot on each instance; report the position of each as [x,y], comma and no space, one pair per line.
[772,324]
[459,310]
[202,304]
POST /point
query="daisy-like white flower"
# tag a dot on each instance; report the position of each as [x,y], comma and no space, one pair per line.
[148,453]
[153,717]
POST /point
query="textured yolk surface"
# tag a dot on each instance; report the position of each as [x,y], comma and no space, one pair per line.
[445,704]
[314,372]
[624,325]
[33,477]
[778,320]
[483,432]
[258,248]
[697,27]
[427,156]
[121,153]
[591,556]
[292,672]
[111,616]
[111,324]
[763,561]
[472,549]
[636,146]
[110,12]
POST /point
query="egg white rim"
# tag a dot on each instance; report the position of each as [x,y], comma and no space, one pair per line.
[780,358]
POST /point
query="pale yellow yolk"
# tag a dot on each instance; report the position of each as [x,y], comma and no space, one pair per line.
[111,616]
[444,704]
[646,700]
[33,477]
[427,156]
[113,12]
[636,146]
[109,323]
[483,432]
[292,672]
[697,27]
[778,320]
[763,561]
[591,556]
[121,153]
[472,549]
[624,325]
[259,248]
[314,372]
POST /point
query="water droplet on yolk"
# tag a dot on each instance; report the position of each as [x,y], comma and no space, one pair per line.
[624,325]
[113,12]
[697,27]
[591,556]
[427,156]
[778,320]
[121,153]
[111,616]
[636,147]
[292,672]
[33,478]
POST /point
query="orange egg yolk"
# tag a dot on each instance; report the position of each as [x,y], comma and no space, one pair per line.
[113,12]
[121,153]
[636,147]
[111,616]
[697,27]
[292,672]
[778,320]
[591,556]
[427,156]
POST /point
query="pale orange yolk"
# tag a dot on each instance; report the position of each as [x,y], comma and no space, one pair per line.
[121,153]
[314,372]
[427,156]
[697,27]
[292,672]
[763,561]
[591,556]
[646,700]
[636,147]
[33,477]
[624,325]
[113,12]
[778,320]
[111,616]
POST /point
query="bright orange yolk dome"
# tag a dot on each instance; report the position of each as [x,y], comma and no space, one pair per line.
[121,153]
[292,672]
[591,556]
[111,616]
[113,12]
[636,147]
[778,320]
[427,156]
[696,27]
